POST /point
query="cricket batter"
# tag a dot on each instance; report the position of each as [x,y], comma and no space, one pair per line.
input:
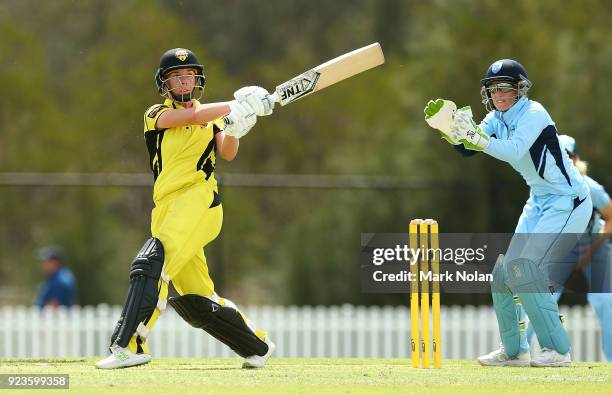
[593,254]
[520,131]
[183,137]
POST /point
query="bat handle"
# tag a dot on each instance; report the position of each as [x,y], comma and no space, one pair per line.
[274,97]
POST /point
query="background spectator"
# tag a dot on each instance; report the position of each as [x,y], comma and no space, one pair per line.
[59,287]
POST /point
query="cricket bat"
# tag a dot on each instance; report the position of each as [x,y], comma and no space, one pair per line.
[329,73]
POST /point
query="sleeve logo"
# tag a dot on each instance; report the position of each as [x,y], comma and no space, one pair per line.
[155,110]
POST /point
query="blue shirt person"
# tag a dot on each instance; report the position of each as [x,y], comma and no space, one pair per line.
[520,131]
[594,256]
[59,287]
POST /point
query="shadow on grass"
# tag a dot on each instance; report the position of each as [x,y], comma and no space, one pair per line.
[207,368]
[42,360]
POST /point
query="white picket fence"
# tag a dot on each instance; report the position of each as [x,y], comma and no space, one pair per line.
[299,332]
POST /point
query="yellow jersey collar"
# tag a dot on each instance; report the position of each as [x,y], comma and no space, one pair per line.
[172,104]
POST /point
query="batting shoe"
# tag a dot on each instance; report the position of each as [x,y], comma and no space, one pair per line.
[257,361]
[122,358]
[499,358]
[551,358]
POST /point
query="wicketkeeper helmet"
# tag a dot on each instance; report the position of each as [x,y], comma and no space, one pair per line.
[504,70]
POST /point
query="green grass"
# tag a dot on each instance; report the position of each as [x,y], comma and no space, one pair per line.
[316,376]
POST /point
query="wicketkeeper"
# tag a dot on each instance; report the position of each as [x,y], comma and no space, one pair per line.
[183,137]
[520,131]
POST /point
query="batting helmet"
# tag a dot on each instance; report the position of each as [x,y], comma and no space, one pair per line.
[178,58]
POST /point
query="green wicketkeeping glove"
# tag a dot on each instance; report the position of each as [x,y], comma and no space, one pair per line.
[439,115]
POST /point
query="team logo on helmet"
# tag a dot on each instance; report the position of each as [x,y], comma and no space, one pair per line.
[181,54]
[495,67]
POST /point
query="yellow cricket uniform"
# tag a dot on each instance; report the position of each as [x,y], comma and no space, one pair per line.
[188,212]
[180,157]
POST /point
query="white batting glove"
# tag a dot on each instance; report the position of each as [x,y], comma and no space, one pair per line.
[258,98]
[240,120]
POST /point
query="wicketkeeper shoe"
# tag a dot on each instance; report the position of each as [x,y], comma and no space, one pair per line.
[257,361]
[499,358]
[122,358]
[551,358]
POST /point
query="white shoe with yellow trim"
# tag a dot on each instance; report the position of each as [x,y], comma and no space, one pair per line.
[122,358]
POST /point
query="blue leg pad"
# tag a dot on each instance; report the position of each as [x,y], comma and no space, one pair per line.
[543,314]
[530,284]
[523,317]
[505,310]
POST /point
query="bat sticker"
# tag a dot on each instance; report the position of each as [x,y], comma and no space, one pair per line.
[298,87]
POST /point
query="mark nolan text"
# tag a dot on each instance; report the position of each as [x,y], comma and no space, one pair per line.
[457,276]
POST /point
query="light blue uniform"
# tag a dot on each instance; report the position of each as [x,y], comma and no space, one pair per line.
[599,270]
[525,136]
[600,199]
